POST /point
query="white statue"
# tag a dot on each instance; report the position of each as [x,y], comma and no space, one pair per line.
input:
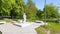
[24,16]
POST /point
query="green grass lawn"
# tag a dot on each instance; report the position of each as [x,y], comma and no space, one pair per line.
[5,20]
[53,27]
[8,20]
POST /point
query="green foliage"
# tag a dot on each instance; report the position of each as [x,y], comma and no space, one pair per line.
[0,7]
[40,14]
[19,8]
[14,7]
[30,10]
[6,6]
[52,26]
[51,11]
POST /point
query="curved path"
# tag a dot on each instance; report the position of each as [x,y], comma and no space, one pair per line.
[9,28]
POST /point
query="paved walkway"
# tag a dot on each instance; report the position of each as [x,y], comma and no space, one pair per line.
[9,28]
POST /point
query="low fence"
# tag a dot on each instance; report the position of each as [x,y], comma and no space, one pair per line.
[1,17]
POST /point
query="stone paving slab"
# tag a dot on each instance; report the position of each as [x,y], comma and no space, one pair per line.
[9,28]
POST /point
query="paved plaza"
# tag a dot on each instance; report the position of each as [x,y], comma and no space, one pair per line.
[9,28]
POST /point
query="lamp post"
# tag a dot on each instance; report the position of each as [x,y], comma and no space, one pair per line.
[45,11]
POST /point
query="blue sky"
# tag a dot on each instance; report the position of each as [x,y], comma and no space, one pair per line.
[40,3]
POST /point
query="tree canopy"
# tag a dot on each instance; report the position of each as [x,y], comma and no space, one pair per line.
[16,8]
[30,10]
[51,11]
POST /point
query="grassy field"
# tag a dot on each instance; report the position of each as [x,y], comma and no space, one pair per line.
[51,26]
[5,20]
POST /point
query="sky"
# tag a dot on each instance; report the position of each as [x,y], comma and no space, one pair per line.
[40,3]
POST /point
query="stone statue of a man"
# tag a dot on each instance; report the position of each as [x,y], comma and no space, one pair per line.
[24,16]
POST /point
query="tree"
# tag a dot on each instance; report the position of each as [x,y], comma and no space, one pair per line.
[19,8]
[6,6]
[0,7]
[51,11]
[12,8]
[30,10]
[39,14]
